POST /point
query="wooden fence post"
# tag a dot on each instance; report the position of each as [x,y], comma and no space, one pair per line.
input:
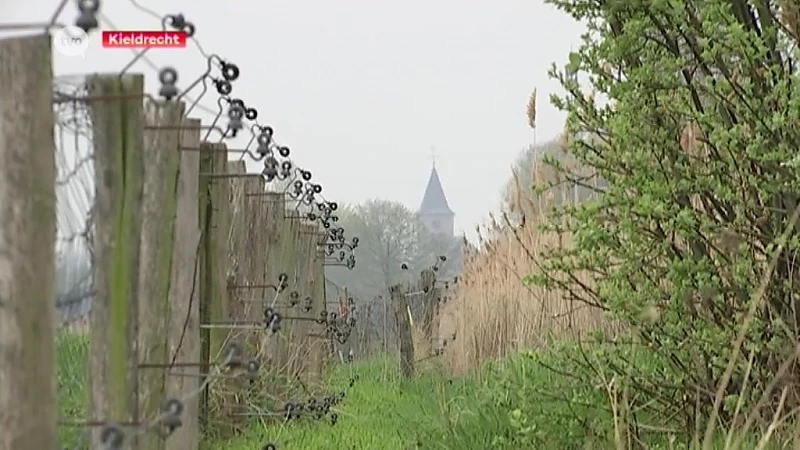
[318,295]
[237,247]
[403,321]
[364,327]
[430,301]
[220,226]
[285,257]
[348,346]
[307,339]
[205,287]
[117,119]
[27,245]
[183,332]
[161,163]
[273,221]
[214,306]
[291,328]
[255,209]
[435,334]
[299,338]
[235,272]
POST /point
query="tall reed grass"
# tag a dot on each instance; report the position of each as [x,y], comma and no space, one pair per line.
[493,311]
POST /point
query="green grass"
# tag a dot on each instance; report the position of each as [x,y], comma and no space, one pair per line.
[381,411]
[73,379]
[514,403]
[496,410]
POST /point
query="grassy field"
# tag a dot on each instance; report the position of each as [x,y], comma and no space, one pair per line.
[383,411]
[379,411]
[513,403]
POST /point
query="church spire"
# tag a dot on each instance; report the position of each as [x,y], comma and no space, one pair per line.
[434,202]
[435,211]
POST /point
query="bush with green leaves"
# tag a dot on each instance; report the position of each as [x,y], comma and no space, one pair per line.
[693,121]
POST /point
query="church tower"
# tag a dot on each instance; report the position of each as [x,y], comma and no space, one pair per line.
[434,211]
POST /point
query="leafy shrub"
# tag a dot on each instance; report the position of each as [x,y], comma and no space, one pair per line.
[691,121]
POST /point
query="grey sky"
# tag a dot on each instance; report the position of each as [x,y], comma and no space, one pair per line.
[360,90]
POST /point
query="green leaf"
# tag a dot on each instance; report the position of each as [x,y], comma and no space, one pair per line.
[574,63]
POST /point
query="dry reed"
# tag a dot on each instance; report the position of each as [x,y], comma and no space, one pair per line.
[531,113]
[493,312]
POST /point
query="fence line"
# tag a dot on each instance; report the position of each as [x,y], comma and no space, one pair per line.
[203,285]
[206,284]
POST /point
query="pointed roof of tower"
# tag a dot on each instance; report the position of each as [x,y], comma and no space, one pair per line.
[434,200]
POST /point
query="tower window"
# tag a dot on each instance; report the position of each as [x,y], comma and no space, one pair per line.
[436,225]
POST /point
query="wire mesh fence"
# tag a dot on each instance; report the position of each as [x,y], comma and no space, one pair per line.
[75,199]
[75,194]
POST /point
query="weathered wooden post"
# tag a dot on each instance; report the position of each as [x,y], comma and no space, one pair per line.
[318,344]
[284,356]
[403,320]
[118,126]
[183,332]
[311,336]
[220,228]
[273,221]
[430,302]
[161,160]
[27,245]
[365,346]
[215,206]
[256,262]
[300,339]
[210,300]
[347,347]
[237,247]
[235,269]
[319,297]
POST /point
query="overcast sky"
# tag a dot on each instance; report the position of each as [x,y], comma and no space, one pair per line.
[360,90]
